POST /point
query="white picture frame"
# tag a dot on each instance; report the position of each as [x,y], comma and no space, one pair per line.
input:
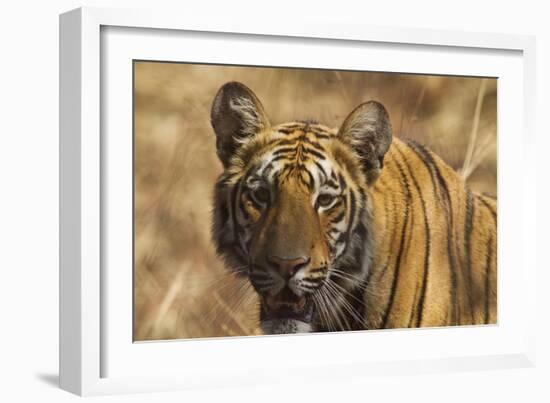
[96,354]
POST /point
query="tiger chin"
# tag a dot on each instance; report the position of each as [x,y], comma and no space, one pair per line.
[348,228]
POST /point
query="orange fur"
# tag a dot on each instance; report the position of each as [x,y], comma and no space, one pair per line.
[458,287]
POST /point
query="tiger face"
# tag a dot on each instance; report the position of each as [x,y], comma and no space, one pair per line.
[292,208]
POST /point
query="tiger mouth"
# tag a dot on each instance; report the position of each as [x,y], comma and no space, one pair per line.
[287,305]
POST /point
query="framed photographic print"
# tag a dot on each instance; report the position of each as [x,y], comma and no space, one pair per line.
[231,197]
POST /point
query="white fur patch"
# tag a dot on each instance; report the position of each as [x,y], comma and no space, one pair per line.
[285,326]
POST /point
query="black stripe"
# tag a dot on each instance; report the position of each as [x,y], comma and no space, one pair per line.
[226,179]
[256,204]
[333,231]
[320,132]
[284,142]
[295,126]
[487,276]
[286,130]
[413,310]
[422,298]
[223,209]
[316,126]
[284,150]
[352,208]
[320,167]
[341,239]
[468,227]
[442,184]
[313,152]
[363,196]
[343,182]
[362,230]
[279,157]
[267,168]
[369,275]
[289,166]
[413,314]
[452,260]
[393,232]
[277,176]
[489,207]
[322,135]
[234,195]
[294,141]
[339,218]
[314,144]
[401,247]
[428,161]
[311,183]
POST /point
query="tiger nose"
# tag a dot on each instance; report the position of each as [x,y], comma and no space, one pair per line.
[288,267]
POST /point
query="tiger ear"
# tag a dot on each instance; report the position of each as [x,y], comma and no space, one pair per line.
[368,131]
[237,116]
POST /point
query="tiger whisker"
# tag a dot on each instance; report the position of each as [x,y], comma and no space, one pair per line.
[335,309]
[223,286]
[347,292]
[351,310]
[338,297]
[348,275]
[320,304]
[213,313]
[244,295]
[367,288]
[230,313]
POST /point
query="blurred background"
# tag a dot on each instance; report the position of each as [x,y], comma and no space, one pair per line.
[181,289]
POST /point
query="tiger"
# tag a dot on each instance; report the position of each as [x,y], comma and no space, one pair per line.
[350,228]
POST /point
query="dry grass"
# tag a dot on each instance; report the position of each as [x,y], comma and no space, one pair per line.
[181,288]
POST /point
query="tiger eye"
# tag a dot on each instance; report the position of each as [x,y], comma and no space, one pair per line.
[325,200]
[261,195]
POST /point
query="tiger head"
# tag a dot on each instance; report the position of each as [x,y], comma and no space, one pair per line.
[292,210]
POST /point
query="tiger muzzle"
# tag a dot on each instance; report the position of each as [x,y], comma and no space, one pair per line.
[287,305]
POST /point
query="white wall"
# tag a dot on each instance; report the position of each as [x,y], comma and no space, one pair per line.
[29,186]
